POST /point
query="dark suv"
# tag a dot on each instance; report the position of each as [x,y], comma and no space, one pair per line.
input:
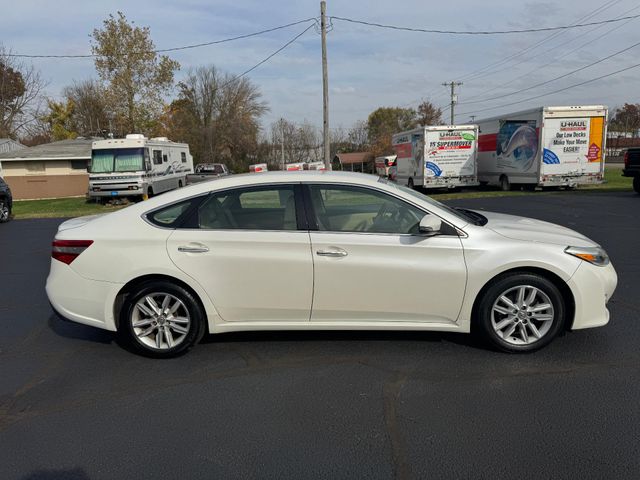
[632,167]
[6,201]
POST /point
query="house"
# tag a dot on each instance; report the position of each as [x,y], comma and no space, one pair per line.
[51,170]
[354,162]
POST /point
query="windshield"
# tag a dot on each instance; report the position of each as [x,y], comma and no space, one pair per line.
[117,160]
[459,213]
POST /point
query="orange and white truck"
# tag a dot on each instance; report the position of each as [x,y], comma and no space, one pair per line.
[545,146]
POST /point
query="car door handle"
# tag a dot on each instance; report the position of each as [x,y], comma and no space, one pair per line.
[193,249]
[334,252]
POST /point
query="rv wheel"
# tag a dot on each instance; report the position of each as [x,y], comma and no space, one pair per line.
[504,183]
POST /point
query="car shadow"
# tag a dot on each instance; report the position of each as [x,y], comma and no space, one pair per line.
[78,331]
[463,339]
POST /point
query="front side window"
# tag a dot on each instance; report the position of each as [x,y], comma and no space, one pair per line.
[343,208]
[252,208]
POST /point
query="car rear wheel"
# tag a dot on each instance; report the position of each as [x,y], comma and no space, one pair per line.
[161,319]
[504,183]
[521,312]
[636,183]
[5,211]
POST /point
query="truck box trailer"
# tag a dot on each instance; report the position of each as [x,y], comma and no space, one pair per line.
[437,157]
[545,146]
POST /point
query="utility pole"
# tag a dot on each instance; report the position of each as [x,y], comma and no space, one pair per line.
[282,142]
[454,97]
[325,87]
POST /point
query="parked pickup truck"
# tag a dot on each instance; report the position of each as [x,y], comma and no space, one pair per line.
[207,171]
[632,167]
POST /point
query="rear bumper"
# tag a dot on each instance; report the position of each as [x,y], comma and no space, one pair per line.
[450,182]
[80,300]
[571,180]
[592,288]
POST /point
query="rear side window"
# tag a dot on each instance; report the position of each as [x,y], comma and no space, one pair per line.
[252,208]
[173,215]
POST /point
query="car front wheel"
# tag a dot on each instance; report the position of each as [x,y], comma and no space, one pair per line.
[161,319]
[5,211]
[521,312]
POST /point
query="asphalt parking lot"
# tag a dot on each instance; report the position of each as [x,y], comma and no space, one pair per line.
[73,404]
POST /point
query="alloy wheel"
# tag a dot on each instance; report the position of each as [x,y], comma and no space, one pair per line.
[160,321]
[4,211]
[522,315]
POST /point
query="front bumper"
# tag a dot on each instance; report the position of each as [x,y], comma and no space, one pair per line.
[81,300]
[116,190]
[592,288]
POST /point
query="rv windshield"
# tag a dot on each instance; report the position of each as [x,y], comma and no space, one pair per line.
[117,160]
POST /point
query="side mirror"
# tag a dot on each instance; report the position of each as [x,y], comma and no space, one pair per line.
[430,225]
[147,165]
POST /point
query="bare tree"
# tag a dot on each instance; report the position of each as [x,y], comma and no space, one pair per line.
[429,114]
[218,114]
[90,113]
[21,100]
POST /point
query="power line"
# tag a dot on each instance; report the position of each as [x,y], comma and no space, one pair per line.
[475,74]
[173,49]
[266,59]
[565,54]
[490,69]
[483,32]
[553,79]
[554,92]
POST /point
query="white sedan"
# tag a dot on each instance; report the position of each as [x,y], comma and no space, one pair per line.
[309,250]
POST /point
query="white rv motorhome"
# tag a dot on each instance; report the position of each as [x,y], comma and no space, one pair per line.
[437,157]
[545,146]
[136,166]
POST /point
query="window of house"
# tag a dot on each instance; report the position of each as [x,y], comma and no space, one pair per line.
[35,167]
[79,164]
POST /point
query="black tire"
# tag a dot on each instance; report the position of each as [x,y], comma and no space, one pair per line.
[484,320]
[410,183]
[505,186]
[179,183]
[155,289]
[5,211]
[636,184]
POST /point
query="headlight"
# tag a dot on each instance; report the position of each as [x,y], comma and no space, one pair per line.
[594,255]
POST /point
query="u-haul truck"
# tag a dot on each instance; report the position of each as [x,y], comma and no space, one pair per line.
[545,146]
[437,157]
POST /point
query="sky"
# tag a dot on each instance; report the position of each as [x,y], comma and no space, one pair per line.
[368,67]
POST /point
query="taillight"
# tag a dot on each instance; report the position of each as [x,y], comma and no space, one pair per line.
[66,251]
[626,159]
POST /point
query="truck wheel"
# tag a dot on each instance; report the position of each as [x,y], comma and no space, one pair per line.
[505,186]
[636,184]
[410,183]
[179,183]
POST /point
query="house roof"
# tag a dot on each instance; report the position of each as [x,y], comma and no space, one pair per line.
[75,149]
[355,157]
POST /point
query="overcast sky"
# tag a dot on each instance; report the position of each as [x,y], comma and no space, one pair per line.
[368,67]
